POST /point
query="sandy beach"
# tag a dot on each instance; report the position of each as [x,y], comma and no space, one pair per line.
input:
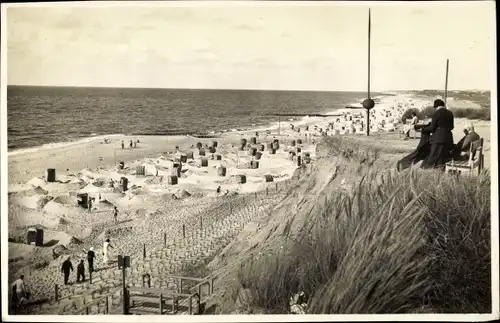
[153,207]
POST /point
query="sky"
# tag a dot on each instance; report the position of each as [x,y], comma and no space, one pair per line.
[253,46]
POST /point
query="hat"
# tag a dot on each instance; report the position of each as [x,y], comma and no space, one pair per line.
[438,103]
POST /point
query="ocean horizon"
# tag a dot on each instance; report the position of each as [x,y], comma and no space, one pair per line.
[43,115]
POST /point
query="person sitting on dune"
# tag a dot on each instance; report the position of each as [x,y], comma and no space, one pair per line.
[461,149]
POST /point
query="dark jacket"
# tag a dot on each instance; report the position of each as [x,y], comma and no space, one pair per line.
[420,153]
[441,126]
[66,266]
[80,268]
[90,255]
[466,141]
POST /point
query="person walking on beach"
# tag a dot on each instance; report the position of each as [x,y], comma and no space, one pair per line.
[80,272]
[105,251]
[66,268]
[441,139]
[123,145]
[90,259]
[19,293]
[130,145]
[115,214]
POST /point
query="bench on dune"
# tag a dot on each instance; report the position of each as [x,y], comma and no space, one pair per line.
[475,160]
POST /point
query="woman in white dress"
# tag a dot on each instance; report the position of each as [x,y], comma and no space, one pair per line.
[105,251]
[411,126]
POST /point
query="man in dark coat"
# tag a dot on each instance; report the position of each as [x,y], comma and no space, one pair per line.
[90,258]
[441,139]
[420,153]
[66,268]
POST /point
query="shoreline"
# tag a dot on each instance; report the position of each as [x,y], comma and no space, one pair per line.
[271,125]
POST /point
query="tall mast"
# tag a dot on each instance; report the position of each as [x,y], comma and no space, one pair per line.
[369,48]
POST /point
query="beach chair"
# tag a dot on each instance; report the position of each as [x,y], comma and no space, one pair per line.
[476,160]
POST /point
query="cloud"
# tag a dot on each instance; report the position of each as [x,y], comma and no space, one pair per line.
[247,27]
[66,22]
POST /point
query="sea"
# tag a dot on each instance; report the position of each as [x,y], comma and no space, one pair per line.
[41,116]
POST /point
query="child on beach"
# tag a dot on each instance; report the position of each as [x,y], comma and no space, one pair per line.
[80,272]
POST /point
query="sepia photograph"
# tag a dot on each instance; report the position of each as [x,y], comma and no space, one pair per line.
[231,160]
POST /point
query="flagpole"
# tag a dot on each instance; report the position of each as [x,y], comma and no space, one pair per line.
[369,48]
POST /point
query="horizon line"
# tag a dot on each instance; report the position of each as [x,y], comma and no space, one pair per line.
[240,89]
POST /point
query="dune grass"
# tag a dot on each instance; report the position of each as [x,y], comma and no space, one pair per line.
[410,242]
[468,113]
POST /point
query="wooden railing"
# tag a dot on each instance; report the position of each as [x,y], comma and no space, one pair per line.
[163,295]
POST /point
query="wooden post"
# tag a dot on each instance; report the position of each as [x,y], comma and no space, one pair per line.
[56,292]
[446,81]
[144,251]
[180,285]
[107,304]
[164,239]
[125,301]
[86,310]
[161,304]
[190,304]
[184,231]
